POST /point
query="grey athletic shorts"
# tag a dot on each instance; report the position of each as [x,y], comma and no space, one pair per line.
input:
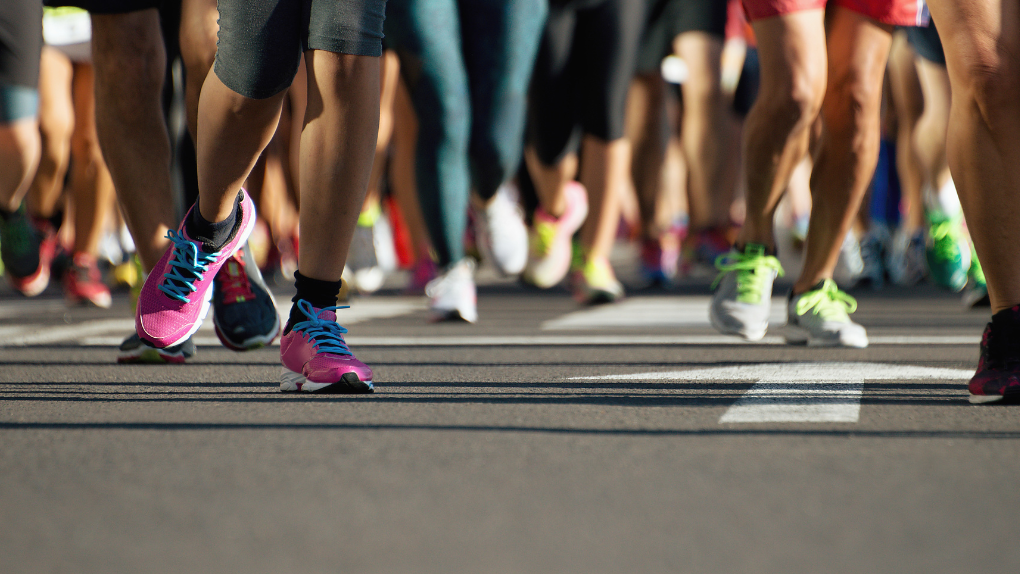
[260,42]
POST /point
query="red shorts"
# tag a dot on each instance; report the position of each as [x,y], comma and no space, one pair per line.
[893,12]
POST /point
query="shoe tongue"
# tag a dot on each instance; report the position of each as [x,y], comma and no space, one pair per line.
[327,315]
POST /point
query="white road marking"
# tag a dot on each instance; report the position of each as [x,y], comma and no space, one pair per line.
[798,392]
[650,312]
[806,402]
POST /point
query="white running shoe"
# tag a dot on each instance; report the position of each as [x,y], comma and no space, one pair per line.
[742,300]
[500,231]
[371,256]
[452,294]
[550,248]
[850,264]
[820,317]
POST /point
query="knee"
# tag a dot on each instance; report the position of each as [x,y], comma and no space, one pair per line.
[55,127]
[853,111]
[794,105]
[992,81]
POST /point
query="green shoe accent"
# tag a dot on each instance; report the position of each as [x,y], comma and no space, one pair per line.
[977,275]
[753,268]
[828,302]
[946,255]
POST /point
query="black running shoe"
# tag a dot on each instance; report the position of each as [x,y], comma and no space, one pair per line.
[244,312]
[135,350]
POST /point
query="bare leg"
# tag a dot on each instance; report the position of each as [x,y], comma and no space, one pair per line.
[235,130]
[982,40]
[198,51]
[19,154]
[550,180]
[56,122]
[930,134]
[341,127]
[405,136]
[909,104]
[129,65]
[778,128]
[858,50]
[90,179]
[703,129]
[605,167]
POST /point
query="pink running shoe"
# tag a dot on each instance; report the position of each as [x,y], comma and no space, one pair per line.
[550,253]
[316,358]
[177,293]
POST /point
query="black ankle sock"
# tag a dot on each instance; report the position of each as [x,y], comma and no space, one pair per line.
[1007,320]
[56,220]
[213,235]
[316,291]
[7,215]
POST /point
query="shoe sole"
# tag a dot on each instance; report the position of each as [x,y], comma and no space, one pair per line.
[150,357]
[349,384]
[249,344]
[451,316]
[752,336]
[802,337]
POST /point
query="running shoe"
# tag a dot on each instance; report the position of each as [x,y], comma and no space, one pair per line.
[820,317]
[244,312]
[135,350]
[947,251]
[873,256]
[83,283]
[27,251]
[500,231]
[660,256]
[742,300]
[997,377]
[176,295]
[906,265]
[316,358]
[452,295]
[371,255]
[550,251]
[975,294]
[595,283]
[850,263]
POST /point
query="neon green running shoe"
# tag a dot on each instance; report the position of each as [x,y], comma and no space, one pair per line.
[821,317]
[947,251]
[742,300]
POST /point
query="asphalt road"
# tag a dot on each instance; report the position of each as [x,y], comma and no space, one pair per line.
[546,438]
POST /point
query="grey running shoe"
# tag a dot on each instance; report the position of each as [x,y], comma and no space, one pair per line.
[743,292]
[135,350]
[820,317]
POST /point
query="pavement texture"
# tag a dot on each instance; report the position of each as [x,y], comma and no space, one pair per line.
[509,446]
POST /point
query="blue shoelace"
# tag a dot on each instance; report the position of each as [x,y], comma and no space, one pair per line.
[327,336]
[187,265]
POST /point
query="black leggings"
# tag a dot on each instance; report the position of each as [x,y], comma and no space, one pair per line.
[585,64]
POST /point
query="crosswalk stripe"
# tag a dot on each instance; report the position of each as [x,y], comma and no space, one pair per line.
[815,402]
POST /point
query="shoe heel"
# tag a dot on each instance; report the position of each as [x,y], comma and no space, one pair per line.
[290,381]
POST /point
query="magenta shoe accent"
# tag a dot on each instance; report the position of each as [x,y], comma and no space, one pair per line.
[316,359]
[176,295]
